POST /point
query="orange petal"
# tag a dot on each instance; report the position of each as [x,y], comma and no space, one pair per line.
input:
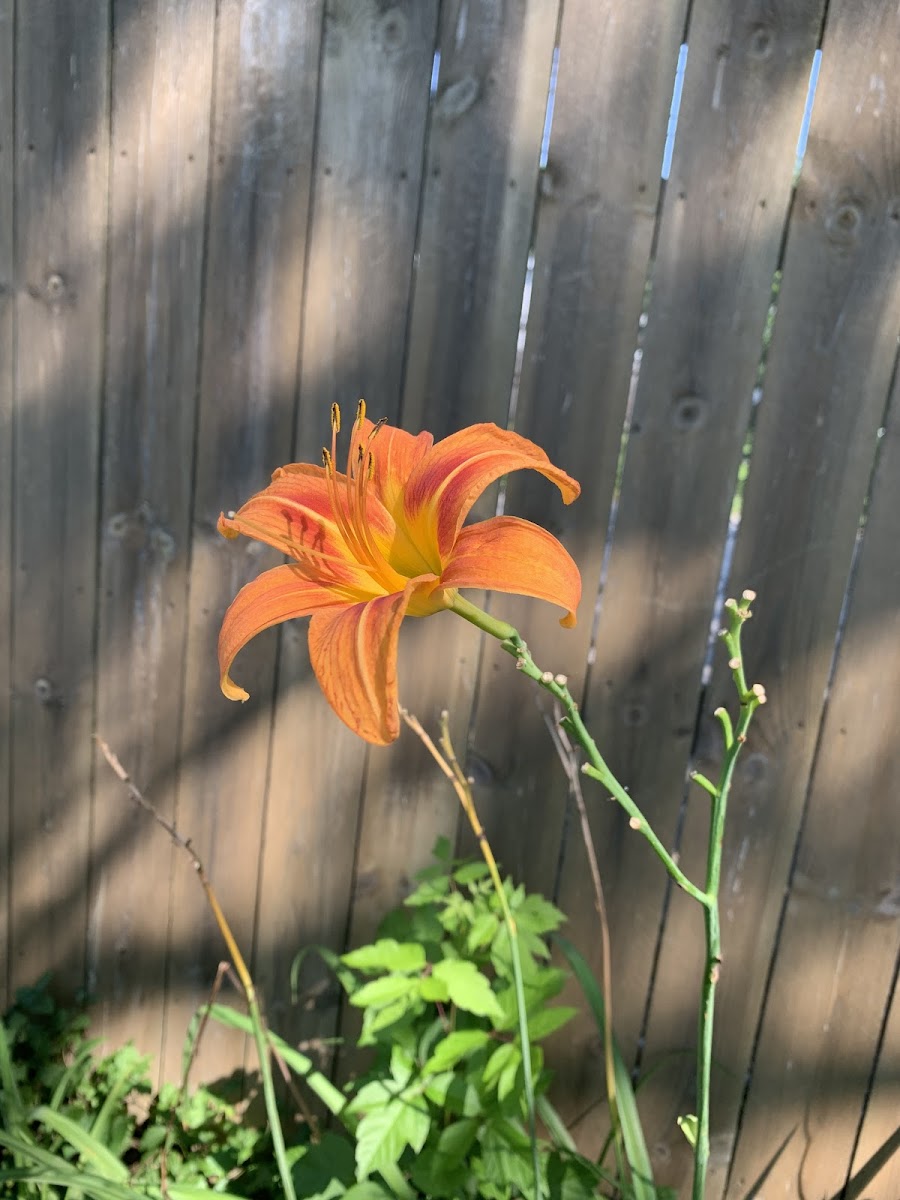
[353,651]
[396,454]
[455,472]
[275,596]
[295,514]
[507,554]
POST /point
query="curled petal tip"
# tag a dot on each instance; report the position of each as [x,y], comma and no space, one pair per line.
[569,621]
[225,527]
[231,691]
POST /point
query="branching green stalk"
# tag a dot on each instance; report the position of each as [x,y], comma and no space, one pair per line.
[596,767]
[734,739]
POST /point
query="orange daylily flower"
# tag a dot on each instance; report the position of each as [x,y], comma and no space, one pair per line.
[385,540]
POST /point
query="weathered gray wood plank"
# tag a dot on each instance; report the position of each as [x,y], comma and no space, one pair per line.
[841,933]
[61,183]
[161,95]
[374,99]
[881,1112]
[476,217]
[597,210]
[725,205]
[7,344]
[825,387]
[265,92]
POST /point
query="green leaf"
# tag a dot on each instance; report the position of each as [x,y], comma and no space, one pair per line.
[537,915]
[434,990]
[571,1178]
[548,1020]
[89,1148]
[430,891]
[386,955]
[468,988]
[441,1172]
[508,1053]
[484,927]
[380,992]
[471,873]
[688,1126]
[454,1047]
[367,1190]
[384,1133]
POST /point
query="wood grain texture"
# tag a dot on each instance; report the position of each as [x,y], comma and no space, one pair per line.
[61,183]
[880,1121]
[267,57]
[477,209]
[7,380]
[161,94]
[835,338]
[840,937]
[373,106]
[596,216]
[725,205]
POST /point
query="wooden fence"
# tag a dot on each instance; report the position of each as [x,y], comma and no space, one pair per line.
[218,218]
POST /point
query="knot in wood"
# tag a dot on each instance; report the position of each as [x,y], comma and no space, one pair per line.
[761,42]
[392,30]
[844,222]
[457,98]
[688,412]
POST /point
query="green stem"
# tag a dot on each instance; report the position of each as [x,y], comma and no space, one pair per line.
[596,767]
[734,739]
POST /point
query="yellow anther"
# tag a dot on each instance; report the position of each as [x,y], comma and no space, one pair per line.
[336,418]
[328,461]
[361,413]
[371,467]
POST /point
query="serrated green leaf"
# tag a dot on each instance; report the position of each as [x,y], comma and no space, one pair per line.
[402,1063]
[384,1133]
[379,992]
[455,1046]
[499,1061]
[430,891]
[386,955]
[471,873]
[537,915]
[484,927]
[434,990]
[571,1178]
[548,1020]
[468,988]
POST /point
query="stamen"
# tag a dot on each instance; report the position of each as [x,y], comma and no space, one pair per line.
[336,418]
[328,462]
[370,470]
[361,413]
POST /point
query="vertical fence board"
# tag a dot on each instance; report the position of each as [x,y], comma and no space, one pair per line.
[841,932]
[161,89]
[7,350]
[61,189]
[880,1122]
[835,337]
[265,88]
[725,206]
[593,237]
[475,226]
[373,105]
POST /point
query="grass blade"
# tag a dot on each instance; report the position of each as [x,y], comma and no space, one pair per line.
[89,1148]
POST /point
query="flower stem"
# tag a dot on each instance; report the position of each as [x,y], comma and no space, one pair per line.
[733,738]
